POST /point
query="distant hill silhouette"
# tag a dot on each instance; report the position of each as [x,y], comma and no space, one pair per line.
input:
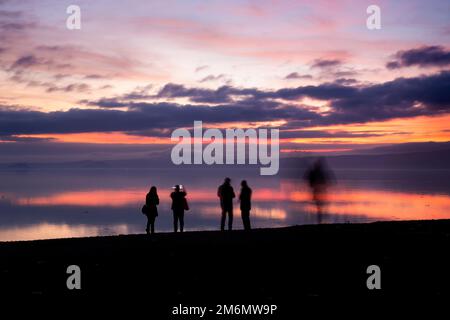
[412,160]
[408,147]
[427,155]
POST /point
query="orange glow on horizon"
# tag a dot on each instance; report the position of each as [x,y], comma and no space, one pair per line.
[418,129]
[101,138]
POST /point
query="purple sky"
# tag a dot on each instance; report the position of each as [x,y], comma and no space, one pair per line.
[138,69]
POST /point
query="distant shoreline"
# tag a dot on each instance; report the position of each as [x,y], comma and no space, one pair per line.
[168,233]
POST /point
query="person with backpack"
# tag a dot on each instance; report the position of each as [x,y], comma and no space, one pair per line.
[150,209]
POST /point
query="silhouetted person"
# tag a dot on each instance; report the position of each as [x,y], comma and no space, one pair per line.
[226,195]
[151,202]
[179,204]
[319,178]
[245,197]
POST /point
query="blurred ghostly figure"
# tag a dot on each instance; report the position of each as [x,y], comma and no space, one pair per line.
[319,177]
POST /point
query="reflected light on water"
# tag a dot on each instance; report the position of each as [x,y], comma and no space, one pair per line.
[386,205]
[54,231]
[258,212]
[91,198]
[45,214]
[368,202]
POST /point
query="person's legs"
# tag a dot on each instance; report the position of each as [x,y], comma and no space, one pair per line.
[222,221]
[153,226]
[181,217]
[147,229]
[246,219]
[175,222]
[230,218]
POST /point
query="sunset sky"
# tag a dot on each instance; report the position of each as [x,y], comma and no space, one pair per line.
[137,70]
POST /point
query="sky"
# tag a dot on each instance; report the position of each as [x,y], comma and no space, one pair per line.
[137,70]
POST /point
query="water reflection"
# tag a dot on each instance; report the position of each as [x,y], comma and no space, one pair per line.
[257,212]
[54,231]
[54,204]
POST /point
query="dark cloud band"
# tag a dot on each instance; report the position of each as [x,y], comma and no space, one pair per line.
[400,98]
[422,57]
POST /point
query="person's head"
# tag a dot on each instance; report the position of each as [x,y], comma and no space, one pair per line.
[244,184]
[177,188]
[153,190]
[227,180]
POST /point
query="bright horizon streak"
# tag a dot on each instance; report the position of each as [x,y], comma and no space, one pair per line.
[401,205]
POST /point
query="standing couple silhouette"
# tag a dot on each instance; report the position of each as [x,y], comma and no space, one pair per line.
[226,195]
[179,205]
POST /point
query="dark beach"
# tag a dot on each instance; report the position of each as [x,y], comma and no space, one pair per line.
[265,266]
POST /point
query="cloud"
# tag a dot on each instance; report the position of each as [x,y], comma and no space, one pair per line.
[201,68]
[325,63]
[325,91]
[343,73]
[60,76]
[409,94]
[48,85]
[422,57]
[24,139]
[221,95]
[346,81]
[399,98]
[212,77]
[61,61]
[13,24]
[296,75]
[10,14]
[73,87]
[139,93]
[307,134]
[31,61]
[141,116]
[25,62]
[333,68]
[107,103]
[94,77]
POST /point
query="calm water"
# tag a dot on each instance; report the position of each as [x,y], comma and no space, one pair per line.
[87,202]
